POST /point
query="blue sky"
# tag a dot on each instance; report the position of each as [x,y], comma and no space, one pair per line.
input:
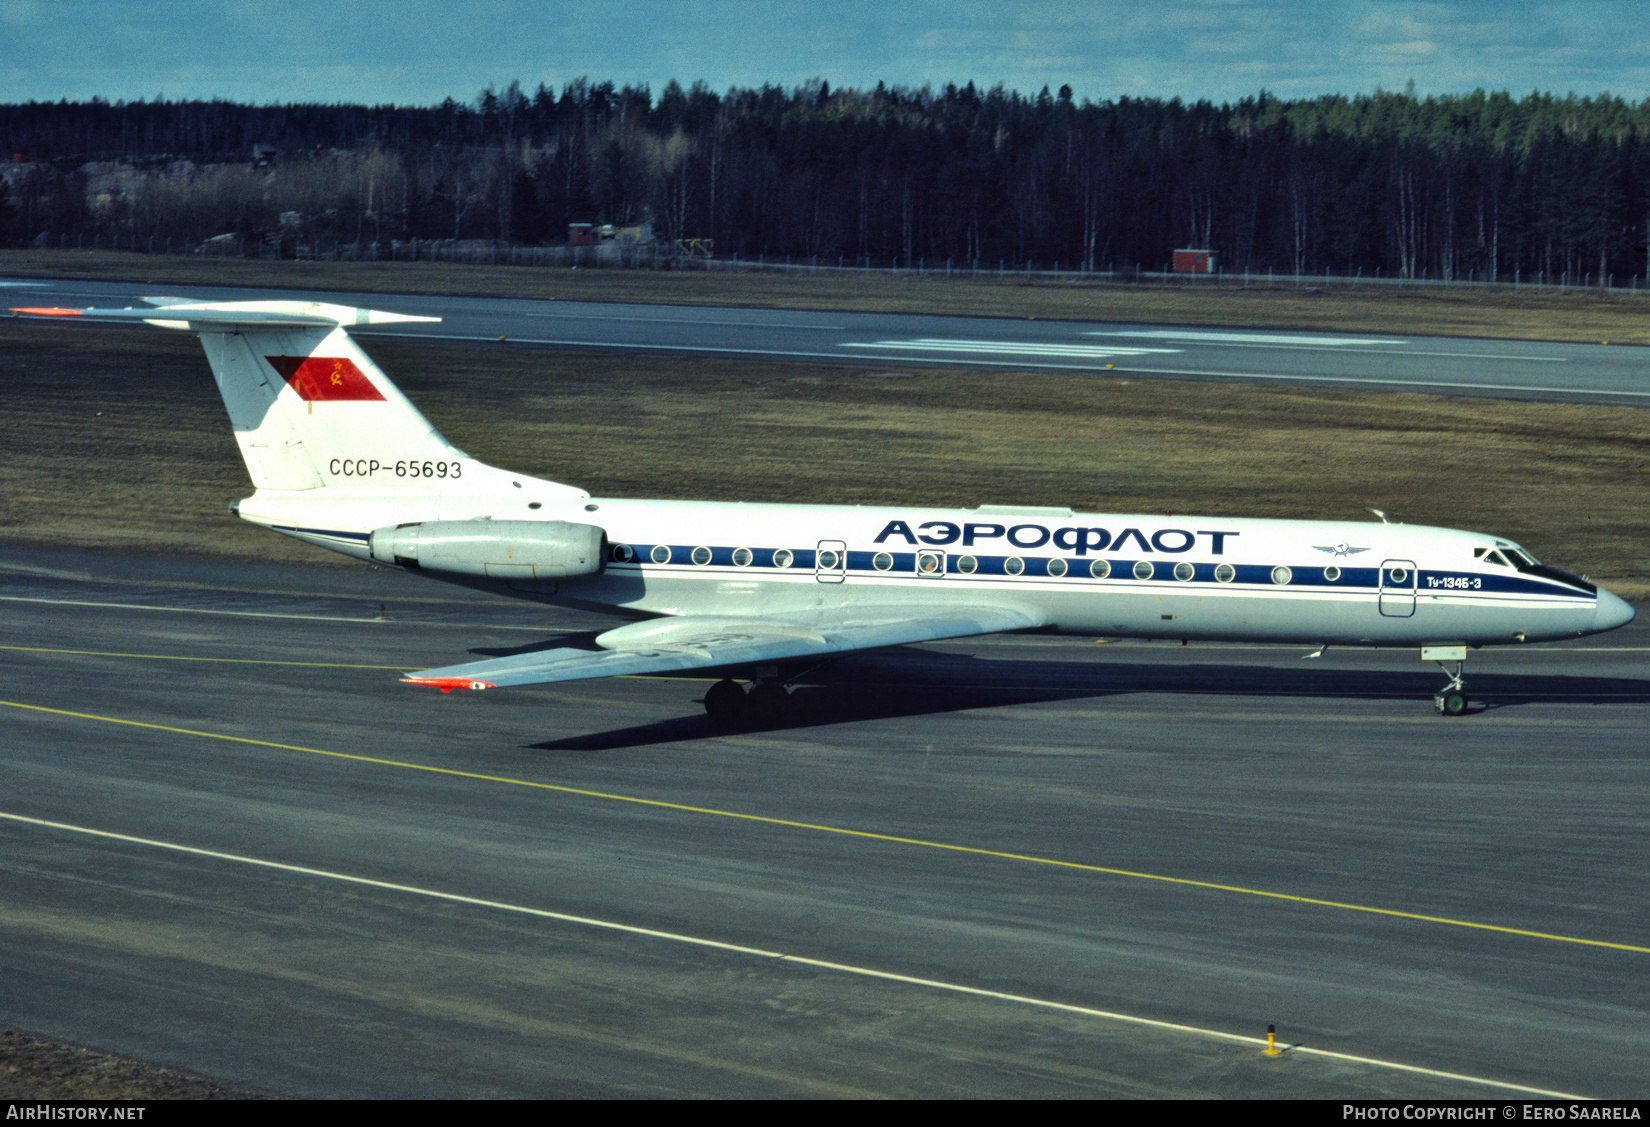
[420,51]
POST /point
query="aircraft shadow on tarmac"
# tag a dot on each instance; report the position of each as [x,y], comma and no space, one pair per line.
[583,640]
[897,684]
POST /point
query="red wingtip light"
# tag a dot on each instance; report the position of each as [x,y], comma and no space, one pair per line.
[448,684]
[52,312]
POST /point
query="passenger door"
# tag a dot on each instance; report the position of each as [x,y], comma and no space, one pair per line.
[930,564]
[831,561]
[1398,579]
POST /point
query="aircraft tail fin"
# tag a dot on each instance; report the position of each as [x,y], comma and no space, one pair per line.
[310,409]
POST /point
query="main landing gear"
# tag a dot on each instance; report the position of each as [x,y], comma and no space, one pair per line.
[727,704]
[1452,698]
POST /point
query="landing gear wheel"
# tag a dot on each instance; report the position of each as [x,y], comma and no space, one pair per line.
[1452,659]
[767,701]
[725,702]
[1451,702]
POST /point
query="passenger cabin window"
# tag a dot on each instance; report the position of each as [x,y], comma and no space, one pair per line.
[1014,565]
[1100,569]
[968,565]
[661,553]
[1143,569]
[882,561]
[1056,568]
[782,557]
[1225,573]
[701,555]
[741,557]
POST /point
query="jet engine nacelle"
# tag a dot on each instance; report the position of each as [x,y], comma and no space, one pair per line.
[501,549]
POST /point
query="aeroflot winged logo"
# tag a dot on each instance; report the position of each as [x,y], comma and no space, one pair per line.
[1341,549]
[325,378]
[1170,541]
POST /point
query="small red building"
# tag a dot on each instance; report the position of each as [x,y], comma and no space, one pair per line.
[1194,262]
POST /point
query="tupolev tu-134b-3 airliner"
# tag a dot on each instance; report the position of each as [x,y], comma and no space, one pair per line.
[765,593]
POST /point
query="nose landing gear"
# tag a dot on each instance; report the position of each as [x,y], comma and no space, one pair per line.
[1451,700]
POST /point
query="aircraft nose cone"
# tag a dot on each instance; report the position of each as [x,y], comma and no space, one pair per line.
[1611,613]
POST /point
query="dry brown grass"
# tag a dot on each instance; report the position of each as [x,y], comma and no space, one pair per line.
[1576,315]
[157,467]
[43,1068]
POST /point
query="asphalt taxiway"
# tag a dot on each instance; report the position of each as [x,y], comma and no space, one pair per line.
[1013,866]
[1523,370]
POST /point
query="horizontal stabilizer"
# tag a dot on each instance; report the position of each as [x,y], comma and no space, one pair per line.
[710,641]
[232,316]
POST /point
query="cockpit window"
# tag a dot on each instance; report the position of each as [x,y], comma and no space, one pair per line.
[1527,564]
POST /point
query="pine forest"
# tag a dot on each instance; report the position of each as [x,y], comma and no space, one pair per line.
[1480,186]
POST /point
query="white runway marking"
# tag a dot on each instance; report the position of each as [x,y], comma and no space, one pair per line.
[1010,348]
[1240,338]
[780,956]
[1347,346]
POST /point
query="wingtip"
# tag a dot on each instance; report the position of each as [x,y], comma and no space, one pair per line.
[448,684]
[51,312]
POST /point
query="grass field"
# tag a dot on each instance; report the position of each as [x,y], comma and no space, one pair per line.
[1617,317]
[117,438]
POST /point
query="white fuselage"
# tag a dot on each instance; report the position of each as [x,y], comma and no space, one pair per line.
[1207,578]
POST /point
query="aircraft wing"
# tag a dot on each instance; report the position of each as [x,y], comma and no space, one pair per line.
[708,641]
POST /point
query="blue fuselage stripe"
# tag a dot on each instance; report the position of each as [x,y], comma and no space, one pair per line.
[1078,572]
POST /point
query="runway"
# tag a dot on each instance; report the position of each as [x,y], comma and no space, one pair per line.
[1015,866]
[1526,370]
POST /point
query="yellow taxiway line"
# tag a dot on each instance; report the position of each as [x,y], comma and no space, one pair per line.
[219,660]
[784,957]
[864,835]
